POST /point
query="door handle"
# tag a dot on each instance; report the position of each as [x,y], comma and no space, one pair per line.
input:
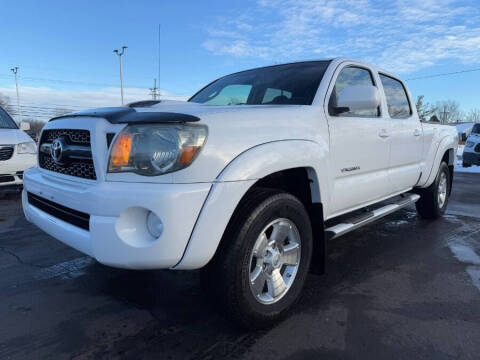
[417,132]
[383,133]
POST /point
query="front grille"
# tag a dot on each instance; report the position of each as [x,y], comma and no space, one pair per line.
[80,168]
[6,178]
[477,148]
[76,136]
[6,152]
[73,217]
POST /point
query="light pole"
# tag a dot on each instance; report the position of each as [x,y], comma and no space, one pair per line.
[120,53]
[15,71]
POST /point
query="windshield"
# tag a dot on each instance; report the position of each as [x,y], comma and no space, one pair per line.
[289,84]
[6,122]
[476,129]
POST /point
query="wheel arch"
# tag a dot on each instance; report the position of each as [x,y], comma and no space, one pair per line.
[266,165]
[445,152]
[266,159]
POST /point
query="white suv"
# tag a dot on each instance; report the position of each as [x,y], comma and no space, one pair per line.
[241,179]
[17,152]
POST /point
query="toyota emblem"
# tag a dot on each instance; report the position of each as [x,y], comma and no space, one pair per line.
[56,150]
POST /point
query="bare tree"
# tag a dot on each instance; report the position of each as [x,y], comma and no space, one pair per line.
[7,105]
[36,126]
[425,110]
[4,101]
[473,115]
[448,111]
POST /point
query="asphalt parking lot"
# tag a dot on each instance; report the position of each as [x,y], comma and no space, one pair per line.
[401,288]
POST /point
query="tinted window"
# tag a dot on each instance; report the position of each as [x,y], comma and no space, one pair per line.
[397,100]
[230,95]
[476,129]
[350,76]
[274,95]
[289,84]
[6,122]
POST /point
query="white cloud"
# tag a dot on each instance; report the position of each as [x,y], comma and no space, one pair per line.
[401,35]
[42,103]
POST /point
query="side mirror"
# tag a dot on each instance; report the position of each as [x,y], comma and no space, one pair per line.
[358,97]
[25,126]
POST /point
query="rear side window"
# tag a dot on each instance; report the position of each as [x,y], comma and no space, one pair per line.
[351,76]
[397,99]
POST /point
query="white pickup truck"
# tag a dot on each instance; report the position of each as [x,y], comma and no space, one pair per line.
[248,180]
[18,152]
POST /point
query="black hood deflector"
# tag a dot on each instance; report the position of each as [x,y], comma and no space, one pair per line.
[127,115]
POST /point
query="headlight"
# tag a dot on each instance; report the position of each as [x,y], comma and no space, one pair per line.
[27,148]
[469,144]
[156,149]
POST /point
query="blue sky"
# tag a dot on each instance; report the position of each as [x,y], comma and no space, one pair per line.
[64,48]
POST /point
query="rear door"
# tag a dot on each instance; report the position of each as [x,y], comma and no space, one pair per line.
[359,145]
[406,137]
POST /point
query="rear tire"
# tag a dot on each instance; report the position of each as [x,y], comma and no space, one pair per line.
[267,242]
[434,199]
[466,165]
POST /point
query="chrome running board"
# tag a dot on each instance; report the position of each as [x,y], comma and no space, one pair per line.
[369,217]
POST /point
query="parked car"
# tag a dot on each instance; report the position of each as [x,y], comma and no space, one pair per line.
[17,152]
[471,152]
[248,180]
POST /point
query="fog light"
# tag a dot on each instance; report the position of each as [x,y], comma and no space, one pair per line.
[154,225]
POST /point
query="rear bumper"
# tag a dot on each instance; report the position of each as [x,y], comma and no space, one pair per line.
[118,235]
[471,158]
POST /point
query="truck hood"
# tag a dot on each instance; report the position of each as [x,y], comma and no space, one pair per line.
[13,136]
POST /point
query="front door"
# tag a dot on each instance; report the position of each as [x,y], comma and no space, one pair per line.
[359,147]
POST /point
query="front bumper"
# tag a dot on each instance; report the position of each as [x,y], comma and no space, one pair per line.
[117,234]
[471,158]
[11,183]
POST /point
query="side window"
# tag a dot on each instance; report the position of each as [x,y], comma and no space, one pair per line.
[276,96]
[350,76]
[230,95]
[397,99]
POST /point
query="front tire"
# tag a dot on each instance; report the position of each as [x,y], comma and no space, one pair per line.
[434,199]
[466,165]
[261,265]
